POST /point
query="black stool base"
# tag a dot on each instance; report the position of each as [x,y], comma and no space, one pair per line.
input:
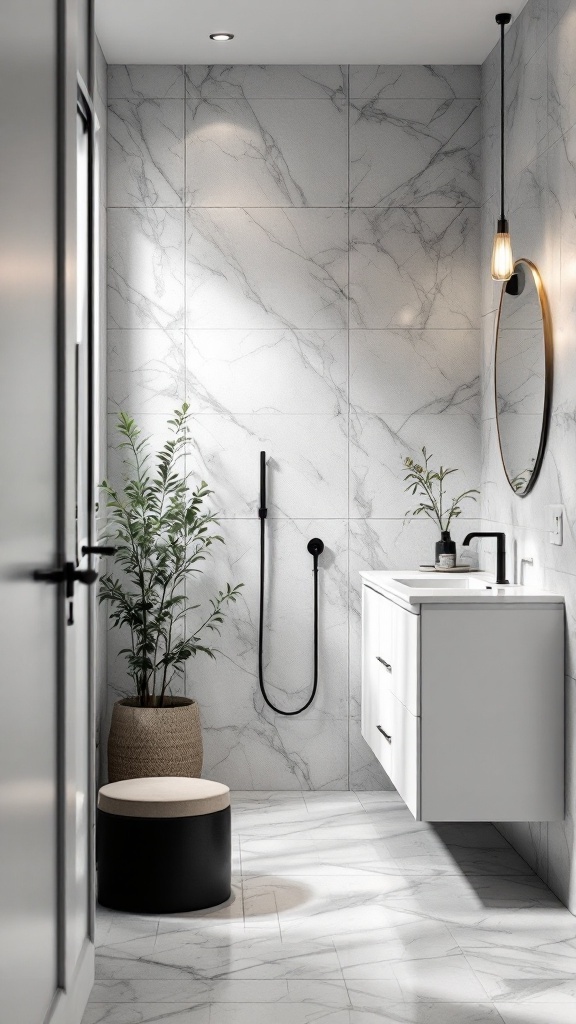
[163,865]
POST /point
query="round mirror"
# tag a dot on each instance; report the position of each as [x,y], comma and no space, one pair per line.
[523,375]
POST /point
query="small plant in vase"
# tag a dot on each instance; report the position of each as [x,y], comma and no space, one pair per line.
[428,485]
[163,536]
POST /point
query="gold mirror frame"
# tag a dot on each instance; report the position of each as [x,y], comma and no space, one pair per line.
[548,370]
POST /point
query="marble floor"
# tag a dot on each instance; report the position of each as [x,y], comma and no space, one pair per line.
[346,910]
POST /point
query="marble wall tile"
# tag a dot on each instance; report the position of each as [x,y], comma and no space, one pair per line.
[526,110]
[412,372]
[245,315]
[145,153]
[414,268]
[267,371]
[413,81]
[307,463]
[244,740]
[145,268]
[414,152]
[266,152]
[540,191]
[306,466]
[561,74]
[145,81]
[266,268]
[146,371]
[378,445]
[271,81]
[556,10]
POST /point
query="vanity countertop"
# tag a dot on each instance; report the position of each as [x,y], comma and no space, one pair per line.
[413,588]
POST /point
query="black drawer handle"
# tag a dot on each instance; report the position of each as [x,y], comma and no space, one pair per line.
[386,735]
[385,663]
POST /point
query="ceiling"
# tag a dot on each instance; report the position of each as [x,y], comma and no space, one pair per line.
[299,31]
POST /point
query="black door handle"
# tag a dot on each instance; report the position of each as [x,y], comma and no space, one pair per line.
[98,549]
[385,663]
[68,574]
[386,735]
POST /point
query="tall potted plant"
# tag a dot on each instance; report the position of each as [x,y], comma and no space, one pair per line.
[162,535]
[429,485]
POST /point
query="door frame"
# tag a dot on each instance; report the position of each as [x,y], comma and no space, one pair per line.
[75,975]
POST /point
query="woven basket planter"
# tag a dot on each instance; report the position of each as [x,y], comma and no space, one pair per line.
[154,741]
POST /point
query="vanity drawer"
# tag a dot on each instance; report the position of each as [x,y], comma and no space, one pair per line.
[404,658]
[382,725]
[405,767]
[397,652]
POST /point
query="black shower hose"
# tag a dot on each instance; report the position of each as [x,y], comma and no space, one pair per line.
[315,547]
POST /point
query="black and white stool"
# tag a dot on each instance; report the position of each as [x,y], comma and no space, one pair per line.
[163,845]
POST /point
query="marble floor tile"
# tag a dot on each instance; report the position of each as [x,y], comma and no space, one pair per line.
[146,1013]
[537,1013]
[348,911]
[427,1013]
[279,1013]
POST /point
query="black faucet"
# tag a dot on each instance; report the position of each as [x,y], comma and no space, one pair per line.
[500,552]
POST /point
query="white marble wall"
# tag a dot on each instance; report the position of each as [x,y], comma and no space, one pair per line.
[541,186]
[295,252]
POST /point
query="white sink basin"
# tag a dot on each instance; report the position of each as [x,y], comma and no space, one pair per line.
[445,583]
[411,589]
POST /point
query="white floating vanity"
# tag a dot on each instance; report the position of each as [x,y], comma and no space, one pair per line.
[463,695]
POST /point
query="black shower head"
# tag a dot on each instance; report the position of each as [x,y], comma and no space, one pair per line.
[315,546]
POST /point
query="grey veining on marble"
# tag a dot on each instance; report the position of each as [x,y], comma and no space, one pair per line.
[414,372]
[345,909]
[540,190]
[379,444]
[145,152]
[266,152]
[249,268]
[414,152]
[271,81]
[145,81]
[311,290]
[414,81]
[414,268]
[146,268]
[280,371]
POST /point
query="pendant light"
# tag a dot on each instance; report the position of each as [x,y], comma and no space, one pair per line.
[502,266]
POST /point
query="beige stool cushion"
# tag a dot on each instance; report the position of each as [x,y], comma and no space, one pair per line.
[163,797]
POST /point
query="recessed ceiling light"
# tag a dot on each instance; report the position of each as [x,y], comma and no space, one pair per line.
[221,37]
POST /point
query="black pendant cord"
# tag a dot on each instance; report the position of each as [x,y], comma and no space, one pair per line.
[502,20]
[315,547]
[502,113]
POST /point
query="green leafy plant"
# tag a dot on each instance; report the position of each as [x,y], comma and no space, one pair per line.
[428,484]
[163,536]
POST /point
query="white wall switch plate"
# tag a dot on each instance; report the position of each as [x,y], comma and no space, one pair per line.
[555,516]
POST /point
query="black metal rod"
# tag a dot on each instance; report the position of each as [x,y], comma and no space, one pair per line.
[502,20]
[263,511]
[502,113]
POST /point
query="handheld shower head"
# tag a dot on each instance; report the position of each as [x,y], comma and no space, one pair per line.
[315,546]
